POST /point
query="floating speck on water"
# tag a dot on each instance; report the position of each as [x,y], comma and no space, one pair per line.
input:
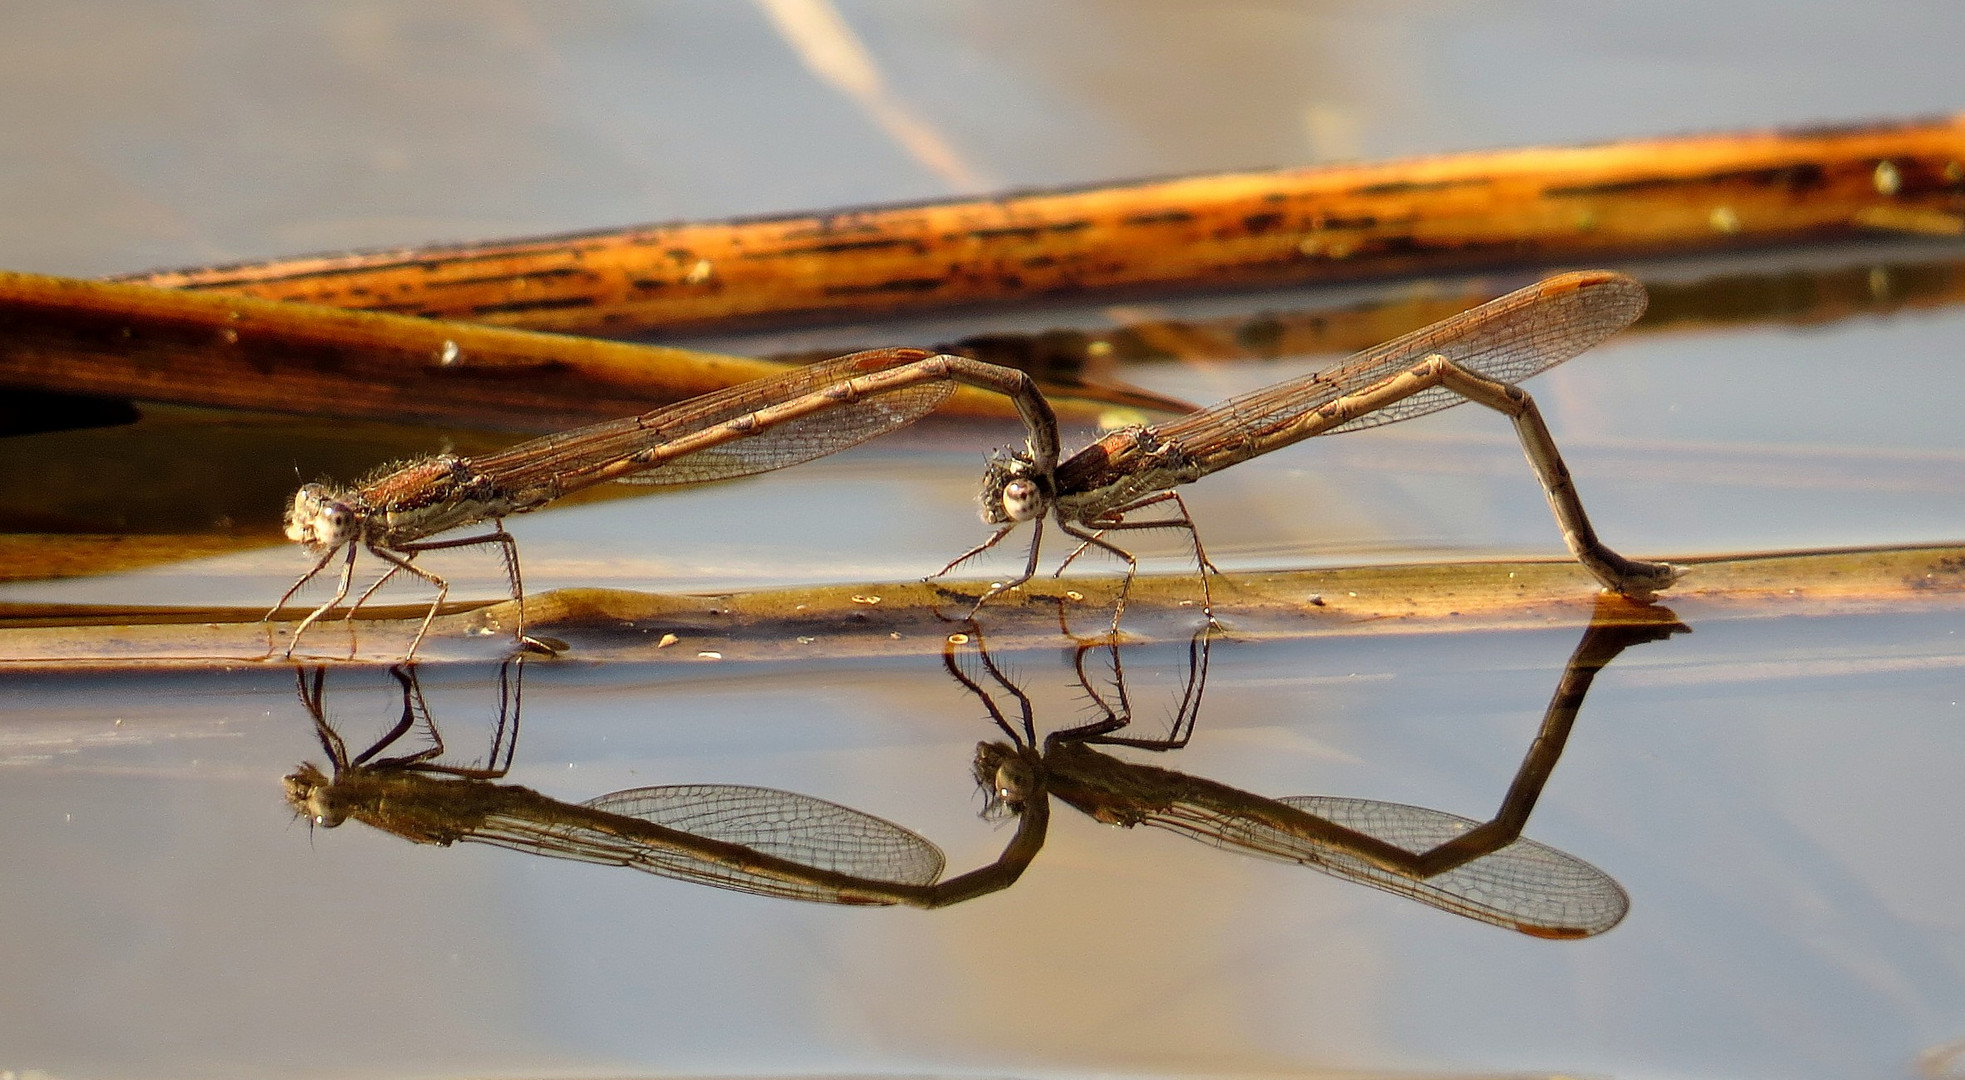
[450,354]
[1073,594]
[859,598]
[667,640]
[807,640]
[708,655]
[1887,179]
[963,639]
[1724,219]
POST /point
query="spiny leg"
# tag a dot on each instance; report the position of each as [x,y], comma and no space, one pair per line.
[995,588]
[373,589]
[320,564]
[340,594]
[1116,520]
[509,546]
[1114,717]
[1186,713]
[442,587]
[510,551]
[414,709]
[511,692]
[997,538]
[1189,711]
[953,663]
[312,682]
[1097,540]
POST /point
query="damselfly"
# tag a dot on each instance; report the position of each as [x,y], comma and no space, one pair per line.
[751,428]
[1477,355]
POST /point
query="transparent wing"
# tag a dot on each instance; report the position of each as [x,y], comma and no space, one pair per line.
[1524,886]
[1508,340]
[795,441]
[713,833]
[791,826]
[567,461]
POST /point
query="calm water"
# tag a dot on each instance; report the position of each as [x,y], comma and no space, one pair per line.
[1777,796]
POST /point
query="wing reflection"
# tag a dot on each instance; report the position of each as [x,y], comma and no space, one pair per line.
[751,839]
[1481,870]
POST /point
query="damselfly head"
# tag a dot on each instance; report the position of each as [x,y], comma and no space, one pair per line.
[1012,489]
[1006,779]
[311,794]
[320,518]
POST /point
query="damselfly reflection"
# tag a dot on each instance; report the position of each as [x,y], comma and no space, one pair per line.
[1477,355]
[1482,870]
[752,428]
[780,843]
[750,839]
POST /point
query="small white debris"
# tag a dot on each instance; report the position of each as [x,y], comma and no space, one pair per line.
[708,655]
[667,640]
[450,354]
[860,598]
[1888,181]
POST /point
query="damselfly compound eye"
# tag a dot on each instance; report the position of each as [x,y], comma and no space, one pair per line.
[322,809]
[335,525]
[1013,782]
[1020,500]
